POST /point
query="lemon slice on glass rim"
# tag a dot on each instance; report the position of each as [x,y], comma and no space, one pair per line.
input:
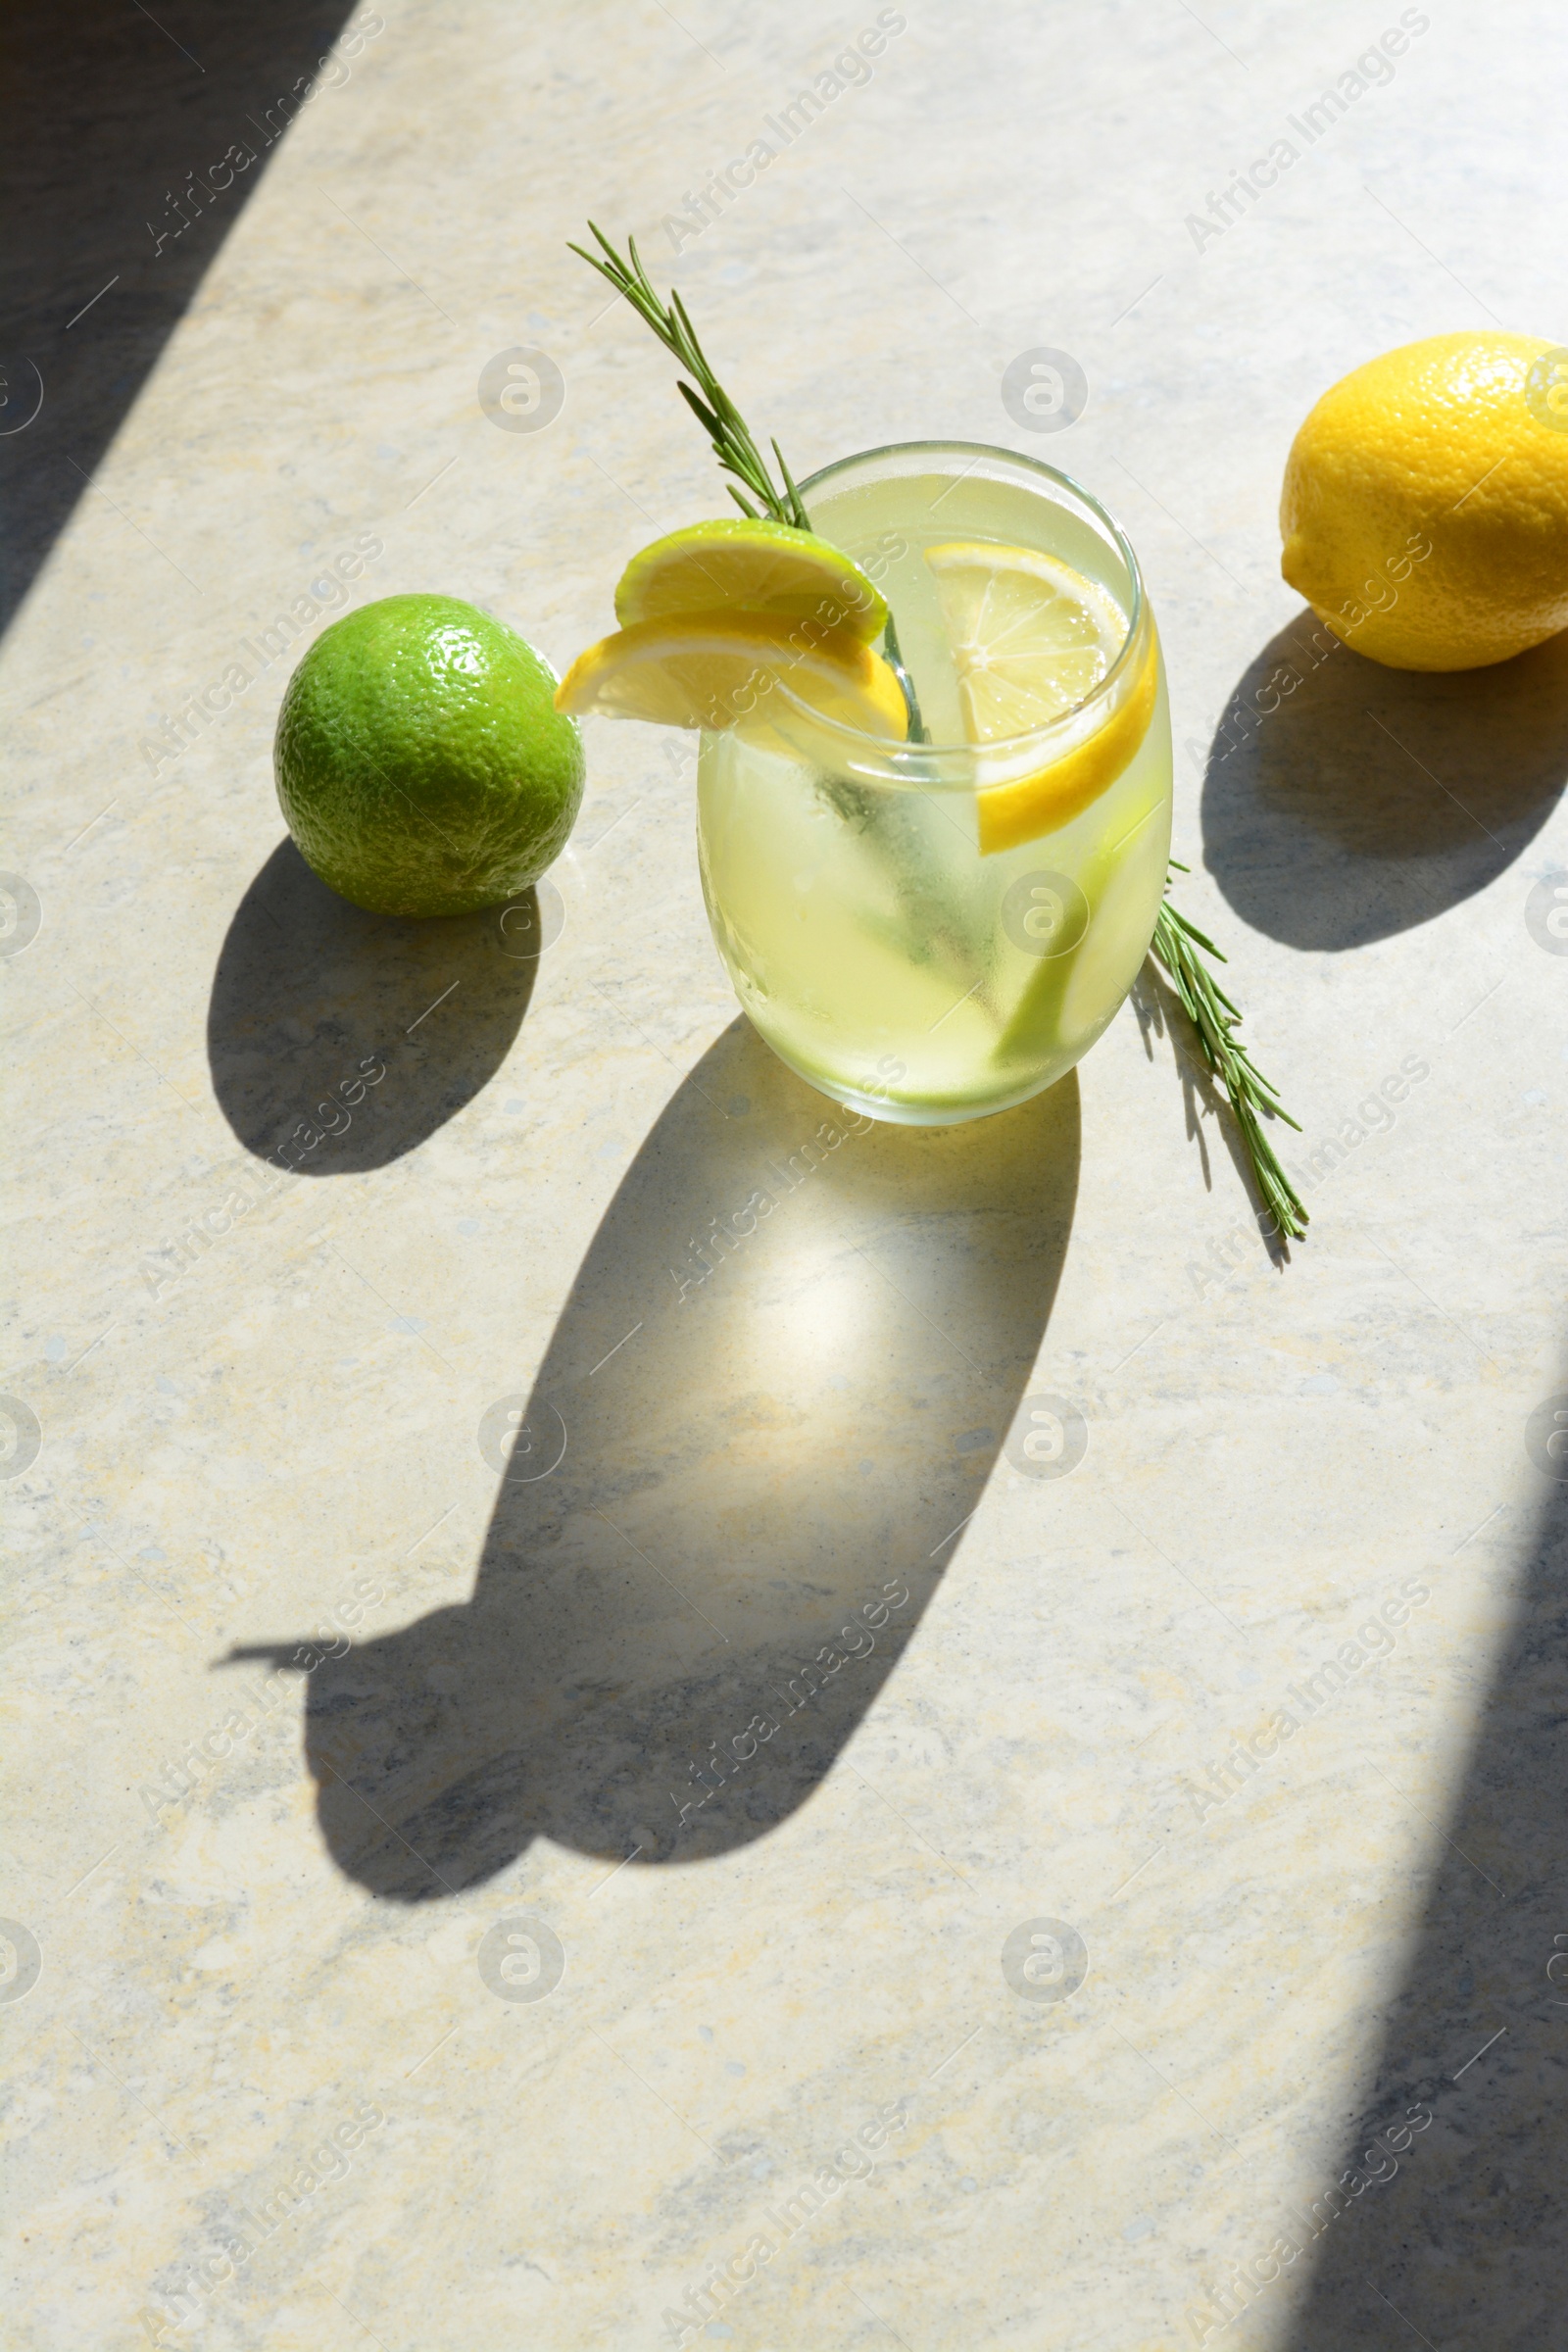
[719,670]
[1031,640]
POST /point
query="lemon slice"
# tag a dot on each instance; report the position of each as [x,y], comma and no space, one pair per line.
[719,670]
[753,566]
[1031,639]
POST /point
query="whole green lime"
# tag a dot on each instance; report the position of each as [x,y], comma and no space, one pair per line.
[421,763]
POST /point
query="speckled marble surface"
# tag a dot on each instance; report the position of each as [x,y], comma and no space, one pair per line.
[336,2013]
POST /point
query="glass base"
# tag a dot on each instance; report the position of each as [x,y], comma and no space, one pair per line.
[873,1105]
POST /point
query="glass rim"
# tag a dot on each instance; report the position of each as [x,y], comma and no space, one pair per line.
[906,758]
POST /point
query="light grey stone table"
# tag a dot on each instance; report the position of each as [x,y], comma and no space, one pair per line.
[414,2000]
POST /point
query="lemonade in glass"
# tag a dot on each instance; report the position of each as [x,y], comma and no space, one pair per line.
[933,930]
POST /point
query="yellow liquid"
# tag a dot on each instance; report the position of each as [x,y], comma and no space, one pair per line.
[874,948]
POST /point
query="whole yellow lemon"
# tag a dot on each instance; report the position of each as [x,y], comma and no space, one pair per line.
[1424,508]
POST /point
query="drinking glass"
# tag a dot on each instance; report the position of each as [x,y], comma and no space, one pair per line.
[908,925]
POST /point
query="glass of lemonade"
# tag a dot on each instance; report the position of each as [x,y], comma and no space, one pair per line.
[930,931]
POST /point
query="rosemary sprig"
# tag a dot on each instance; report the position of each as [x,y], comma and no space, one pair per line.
[712,405]
[723,421]
[1214,1018]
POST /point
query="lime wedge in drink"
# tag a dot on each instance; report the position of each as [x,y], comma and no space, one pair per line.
[1064,1000]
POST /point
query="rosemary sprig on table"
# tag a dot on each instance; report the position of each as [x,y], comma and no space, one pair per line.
[1176,940]
[1214,1017]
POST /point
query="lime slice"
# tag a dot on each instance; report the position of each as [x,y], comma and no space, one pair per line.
[1121,878]
[718,670]
[1103,969]
[1031,639]
[758,566]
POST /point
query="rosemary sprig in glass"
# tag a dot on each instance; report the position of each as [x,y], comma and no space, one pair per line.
[737,453]
[1214,1018]
[1176,942]
[732,444]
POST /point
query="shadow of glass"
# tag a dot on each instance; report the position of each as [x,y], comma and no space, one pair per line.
[313,997]
[117,131]
[1356,800]
[1458,2221]
[730,1493]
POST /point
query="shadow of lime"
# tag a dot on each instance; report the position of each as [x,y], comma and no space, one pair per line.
[311,997]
